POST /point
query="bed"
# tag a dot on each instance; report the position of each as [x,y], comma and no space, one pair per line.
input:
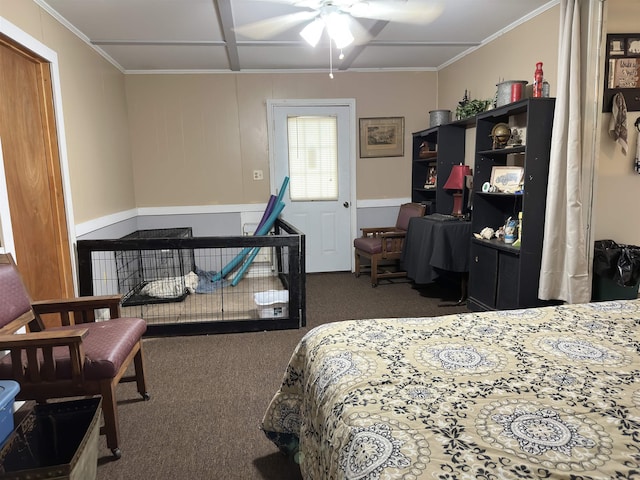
[551,392]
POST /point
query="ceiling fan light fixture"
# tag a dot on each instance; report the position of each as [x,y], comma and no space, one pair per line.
[312,32]
[338,29]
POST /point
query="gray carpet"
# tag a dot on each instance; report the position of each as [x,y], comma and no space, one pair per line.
[208,393]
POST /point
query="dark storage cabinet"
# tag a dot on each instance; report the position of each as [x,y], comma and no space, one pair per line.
[508,290]
[498,284]
[502,276]
[483,286]
[447,149]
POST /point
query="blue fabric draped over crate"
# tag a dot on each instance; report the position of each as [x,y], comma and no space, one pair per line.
[206,282]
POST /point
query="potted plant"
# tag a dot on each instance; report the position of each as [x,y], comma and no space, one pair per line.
[471,108]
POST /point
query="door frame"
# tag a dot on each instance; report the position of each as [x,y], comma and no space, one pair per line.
[30,44]
[350,103]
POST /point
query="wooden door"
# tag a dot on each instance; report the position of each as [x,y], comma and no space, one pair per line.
[33,172]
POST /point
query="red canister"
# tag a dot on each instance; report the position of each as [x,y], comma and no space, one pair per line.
[516,92]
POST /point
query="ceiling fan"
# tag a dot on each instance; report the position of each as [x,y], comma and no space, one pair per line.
[335,16]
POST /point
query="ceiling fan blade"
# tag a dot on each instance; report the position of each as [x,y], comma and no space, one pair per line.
[415,12]
[360,34]
[271,27]
[314,4]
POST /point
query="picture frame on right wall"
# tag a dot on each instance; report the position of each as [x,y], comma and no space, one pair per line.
[622,70]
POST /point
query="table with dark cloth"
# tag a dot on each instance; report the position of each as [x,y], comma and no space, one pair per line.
[434,246]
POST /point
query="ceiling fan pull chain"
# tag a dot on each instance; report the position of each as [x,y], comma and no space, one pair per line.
[330,60]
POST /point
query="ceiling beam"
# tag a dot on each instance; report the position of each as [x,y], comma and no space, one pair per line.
[226,23]
[274,43]
[355,52]
[163,43]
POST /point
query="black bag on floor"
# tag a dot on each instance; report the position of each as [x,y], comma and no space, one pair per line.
[628,274]
[605,258]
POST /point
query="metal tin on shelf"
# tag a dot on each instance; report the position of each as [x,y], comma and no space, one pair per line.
[439,117]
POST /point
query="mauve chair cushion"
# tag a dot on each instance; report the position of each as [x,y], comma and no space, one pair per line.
[14,300]
[106,345]
[370,245]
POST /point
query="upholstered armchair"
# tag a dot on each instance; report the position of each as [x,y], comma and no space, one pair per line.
[383,245]
[82,357]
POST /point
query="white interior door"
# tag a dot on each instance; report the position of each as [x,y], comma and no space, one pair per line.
[318,200]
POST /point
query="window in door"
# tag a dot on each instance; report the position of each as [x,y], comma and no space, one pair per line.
[313,158]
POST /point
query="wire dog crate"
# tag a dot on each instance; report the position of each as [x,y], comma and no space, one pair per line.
[137,269]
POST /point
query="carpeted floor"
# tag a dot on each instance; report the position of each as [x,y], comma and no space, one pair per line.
[208,393]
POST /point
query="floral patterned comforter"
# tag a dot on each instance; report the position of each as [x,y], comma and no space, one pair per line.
[549,392]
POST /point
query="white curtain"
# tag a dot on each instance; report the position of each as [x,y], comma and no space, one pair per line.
[564,272]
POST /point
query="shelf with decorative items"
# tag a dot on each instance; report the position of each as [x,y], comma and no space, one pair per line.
[435,151]
[513,144]
[504,151]
[424,168]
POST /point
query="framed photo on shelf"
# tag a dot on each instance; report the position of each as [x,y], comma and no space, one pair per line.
[622,70]
[381,137]
[507,179]
[615,46]
[430,181]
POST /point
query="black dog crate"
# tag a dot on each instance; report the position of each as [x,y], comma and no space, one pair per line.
[136,268]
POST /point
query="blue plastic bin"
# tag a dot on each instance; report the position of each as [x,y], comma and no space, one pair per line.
[8,391]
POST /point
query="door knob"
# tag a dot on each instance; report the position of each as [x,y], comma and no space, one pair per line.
[345,204]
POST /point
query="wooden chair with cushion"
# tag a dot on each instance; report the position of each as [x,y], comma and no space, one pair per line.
[82,357]
[382,244]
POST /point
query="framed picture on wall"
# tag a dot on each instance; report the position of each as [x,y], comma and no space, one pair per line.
[382,137]
[622,70]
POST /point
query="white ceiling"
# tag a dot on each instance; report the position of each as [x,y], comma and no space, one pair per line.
[199,35]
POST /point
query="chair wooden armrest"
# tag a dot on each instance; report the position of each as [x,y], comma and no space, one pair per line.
[376,231]
[42,339]
[40,345]
[394,234]
[83,308]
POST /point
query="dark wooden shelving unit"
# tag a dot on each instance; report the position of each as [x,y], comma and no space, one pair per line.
[448,141]
[503,276]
